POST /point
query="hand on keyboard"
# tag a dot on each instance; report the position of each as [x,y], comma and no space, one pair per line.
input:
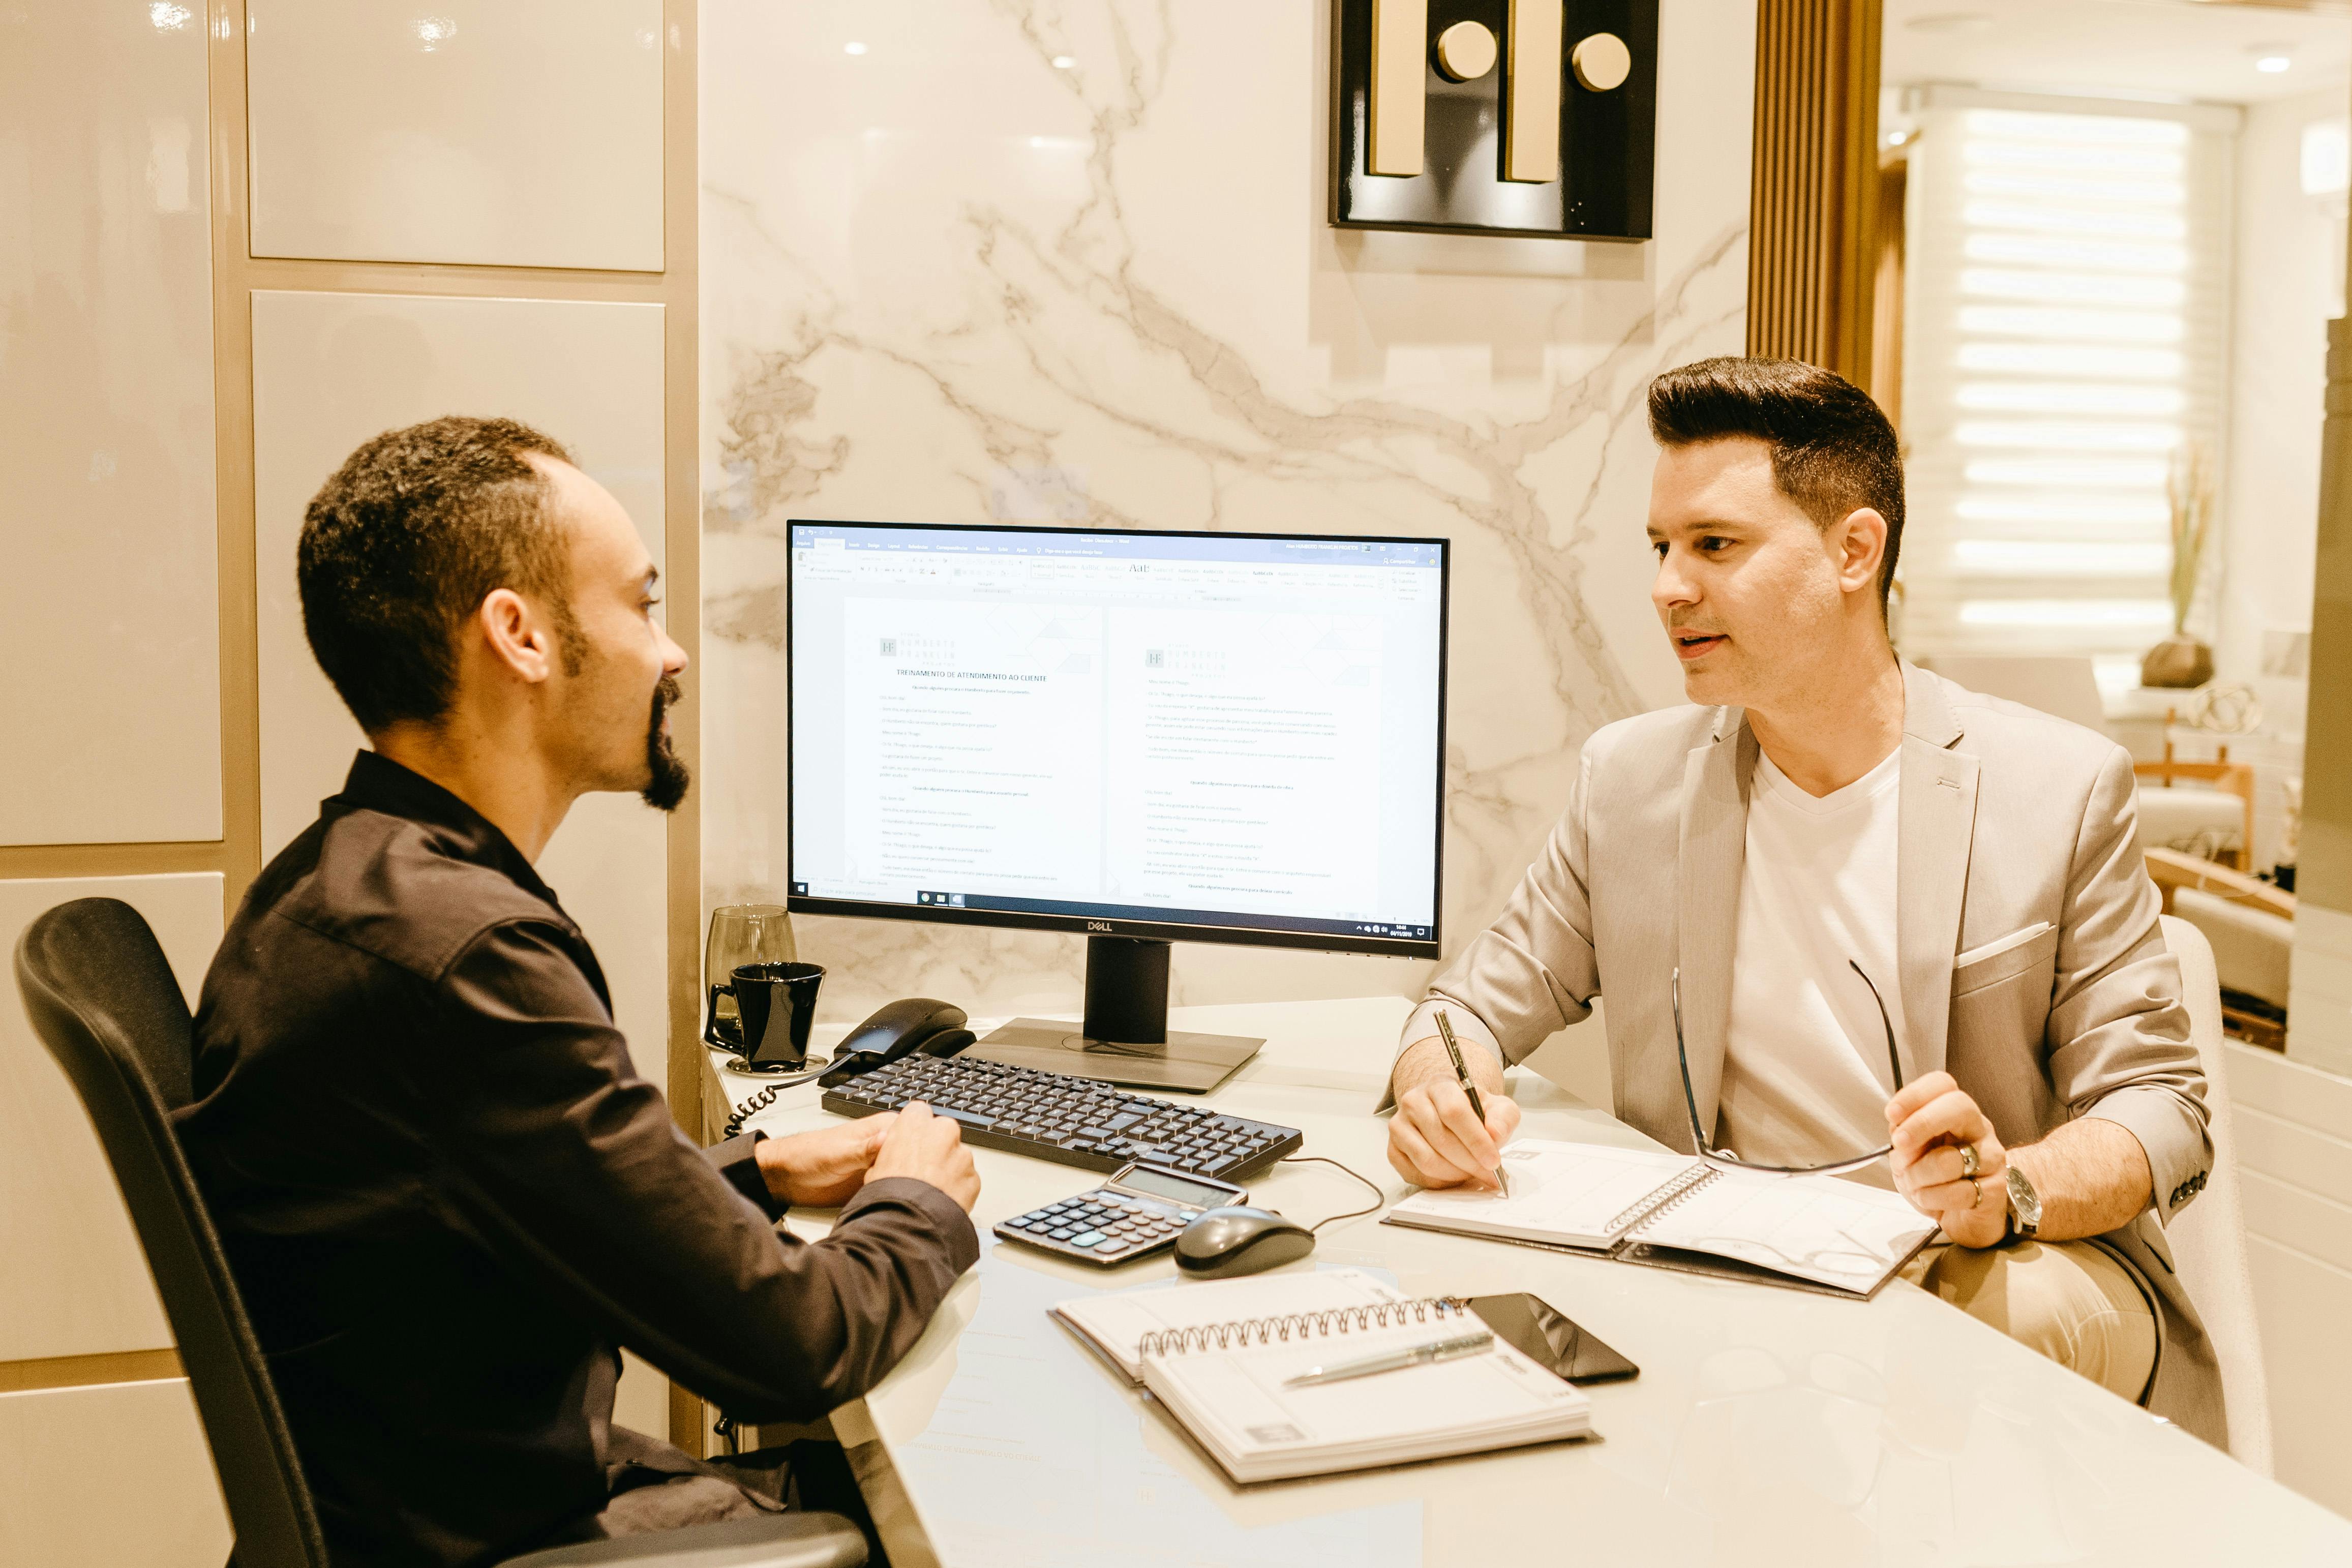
[930,1149]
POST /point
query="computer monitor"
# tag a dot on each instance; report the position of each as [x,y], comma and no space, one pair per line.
[1140,736]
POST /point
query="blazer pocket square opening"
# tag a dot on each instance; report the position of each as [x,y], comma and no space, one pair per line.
[1995,962]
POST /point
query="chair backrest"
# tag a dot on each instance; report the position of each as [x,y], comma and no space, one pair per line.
[2065,687]
[2209,1239]
[103,1000]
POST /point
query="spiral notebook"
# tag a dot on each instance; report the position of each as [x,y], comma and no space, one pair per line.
[1670,1211]
[1218,1355]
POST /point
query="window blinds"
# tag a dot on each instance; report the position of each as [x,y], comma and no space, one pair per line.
[2067,313]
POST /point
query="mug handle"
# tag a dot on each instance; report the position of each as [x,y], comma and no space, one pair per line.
[711,1033]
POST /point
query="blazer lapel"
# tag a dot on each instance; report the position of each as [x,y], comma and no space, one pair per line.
[1937,826]
[1714,850]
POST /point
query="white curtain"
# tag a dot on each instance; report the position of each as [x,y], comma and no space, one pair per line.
[2067,340]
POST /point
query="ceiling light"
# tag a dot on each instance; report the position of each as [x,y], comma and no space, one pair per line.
[2272,64]
[853,48]
[1064,62]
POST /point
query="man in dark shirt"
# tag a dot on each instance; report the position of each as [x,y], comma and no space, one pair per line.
[446,1196]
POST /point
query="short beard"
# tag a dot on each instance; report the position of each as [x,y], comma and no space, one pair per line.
[665,787]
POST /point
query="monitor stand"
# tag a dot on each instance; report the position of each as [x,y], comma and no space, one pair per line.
[1123,1040]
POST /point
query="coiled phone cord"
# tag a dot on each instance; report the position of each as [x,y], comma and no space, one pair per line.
[766,1098]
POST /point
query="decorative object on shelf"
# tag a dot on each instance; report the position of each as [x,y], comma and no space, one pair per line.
[2181,660]
[2226,707]
[739,934]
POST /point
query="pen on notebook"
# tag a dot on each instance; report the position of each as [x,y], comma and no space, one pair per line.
[1394,1361]
[1461,1073]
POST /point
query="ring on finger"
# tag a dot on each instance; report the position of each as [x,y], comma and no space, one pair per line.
[1976,1192]
[1968,1164]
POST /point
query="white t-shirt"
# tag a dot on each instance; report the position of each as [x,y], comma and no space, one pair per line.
[1805,1075]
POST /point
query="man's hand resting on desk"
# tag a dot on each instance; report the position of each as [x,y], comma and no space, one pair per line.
[1434,1141]
[825,1168]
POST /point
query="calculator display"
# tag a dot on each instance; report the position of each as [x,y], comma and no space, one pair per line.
[1160,1184]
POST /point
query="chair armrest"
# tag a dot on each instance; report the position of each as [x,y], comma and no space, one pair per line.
[772,1540]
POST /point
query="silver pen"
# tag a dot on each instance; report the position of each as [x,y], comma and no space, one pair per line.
[1462,1074]
[1394,1361]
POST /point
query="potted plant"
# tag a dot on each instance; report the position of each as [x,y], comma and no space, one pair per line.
[2181,660]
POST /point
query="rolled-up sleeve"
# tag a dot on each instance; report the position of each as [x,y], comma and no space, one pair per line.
[1532,972]
[553,1145]
[2118,1034]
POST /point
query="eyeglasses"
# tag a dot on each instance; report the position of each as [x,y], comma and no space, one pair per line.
[1731,1161]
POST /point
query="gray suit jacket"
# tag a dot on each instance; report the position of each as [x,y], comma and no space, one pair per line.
[2009,818]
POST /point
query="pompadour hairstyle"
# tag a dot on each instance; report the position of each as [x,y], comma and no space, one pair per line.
[1833,450]
[404,543]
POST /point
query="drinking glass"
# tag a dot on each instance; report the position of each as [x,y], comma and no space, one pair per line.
[739,934]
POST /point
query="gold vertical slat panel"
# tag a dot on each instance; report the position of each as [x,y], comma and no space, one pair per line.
[1393,136]
[1814,214]
[1531,103]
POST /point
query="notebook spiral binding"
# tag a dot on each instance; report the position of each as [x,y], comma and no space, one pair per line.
[1300,1325]
[1658,1203]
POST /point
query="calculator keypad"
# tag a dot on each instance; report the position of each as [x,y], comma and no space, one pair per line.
[1101,1226]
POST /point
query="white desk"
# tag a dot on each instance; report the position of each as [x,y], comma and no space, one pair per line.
[1767,1425]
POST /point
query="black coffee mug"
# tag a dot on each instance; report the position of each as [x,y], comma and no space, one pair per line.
[776,1004]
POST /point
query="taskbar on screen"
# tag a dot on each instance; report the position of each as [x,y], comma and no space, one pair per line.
[927,899]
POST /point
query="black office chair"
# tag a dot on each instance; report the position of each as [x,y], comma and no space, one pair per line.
[102,998]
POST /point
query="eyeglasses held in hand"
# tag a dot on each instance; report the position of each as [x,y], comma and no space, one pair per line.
[1731,1161]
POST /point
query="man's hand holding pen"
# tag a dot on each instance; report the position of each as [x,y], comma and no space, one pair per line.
[1435,1139]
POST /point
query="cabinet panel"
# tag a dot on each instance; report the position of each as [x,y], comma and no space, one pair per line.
[506,133]
[112,633]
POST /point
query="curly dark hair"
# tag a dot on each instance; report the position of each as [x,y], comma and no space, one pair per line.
[405,541]
[1833,449]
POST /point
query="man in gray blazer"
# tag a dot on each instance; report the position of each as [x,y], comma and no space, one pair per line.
[1855,866]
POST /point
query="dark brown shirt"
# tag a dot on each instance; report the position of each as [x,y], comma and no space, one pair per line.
[446,1197]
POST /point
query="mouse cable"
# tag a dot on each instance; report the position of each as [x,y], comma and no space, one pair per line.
[1378,1197]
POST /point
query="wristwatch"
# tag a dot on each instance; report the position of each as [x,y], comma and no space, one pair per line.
[2024,1205]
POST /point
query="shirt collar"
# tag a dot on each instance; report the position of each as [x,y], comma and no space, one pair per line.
[378,783]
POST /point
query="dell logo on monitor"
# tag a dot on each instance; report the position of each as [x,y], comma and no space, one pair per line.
[1098,925]
[1495,116]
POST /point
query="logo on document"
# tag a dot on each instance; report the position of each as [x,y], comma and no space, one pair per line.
[1525,117]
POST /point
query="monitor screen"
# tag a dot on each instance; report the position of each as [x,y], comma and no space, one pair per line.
[1203,736]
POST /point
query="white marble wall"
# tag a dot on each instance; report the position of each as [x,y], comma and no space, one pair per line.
[946,279]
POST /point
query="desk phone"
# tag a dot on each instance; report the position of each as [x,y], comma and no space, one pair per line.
[1140,1211]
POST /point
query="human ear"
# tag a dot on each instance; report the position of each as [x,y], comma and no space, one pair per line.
[515,636]
[1858,547]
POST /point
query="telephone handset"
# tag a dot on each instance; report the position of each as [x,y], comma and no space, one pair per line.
[900,1028]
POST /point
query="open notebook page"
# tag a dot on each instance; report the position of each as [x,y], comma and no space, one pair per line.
[1816,1227]
[1116,1321]
[1574,1193]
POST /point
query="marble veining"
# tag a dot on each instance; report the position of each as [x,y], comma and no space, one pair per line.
[947,278]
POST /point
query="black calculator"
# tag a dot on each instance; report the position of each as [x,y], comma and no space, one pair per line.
[1135,1213]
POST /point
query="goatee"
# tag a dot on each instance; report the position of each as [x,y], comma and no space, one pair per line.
[668,777]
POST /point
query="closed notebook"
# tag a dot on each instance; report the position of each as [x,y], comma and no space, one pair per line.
[1219,1355]
[1671,1211]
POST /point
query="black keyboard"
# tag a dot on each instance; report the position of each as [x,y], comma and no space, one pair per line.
[1070,1121]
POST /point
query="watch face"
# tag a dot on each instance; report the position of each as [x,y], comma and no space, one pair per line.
[2024,1199]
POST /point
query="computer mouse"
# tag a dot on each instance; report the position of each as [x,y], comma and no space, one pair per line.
[1235,1240]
